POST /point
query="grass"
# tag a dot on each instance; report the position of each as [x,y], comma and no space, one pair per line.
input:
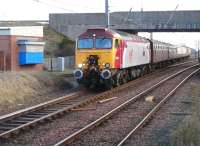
[16,88]
[188,133]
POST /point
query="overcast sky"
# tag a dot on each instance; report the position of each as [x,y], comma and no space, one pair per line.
[39,9]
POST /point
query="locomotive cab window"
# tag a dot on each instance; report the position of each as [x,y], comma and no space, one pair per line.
[85,43]
[103,43]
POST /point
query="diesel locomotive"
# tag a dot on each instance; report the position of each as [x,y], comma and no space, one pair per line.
[106,57]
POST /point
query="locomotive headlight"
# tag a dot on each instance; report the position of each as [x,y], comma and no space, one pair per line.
[78,73]
[80,65]
[107,65]
[106,74]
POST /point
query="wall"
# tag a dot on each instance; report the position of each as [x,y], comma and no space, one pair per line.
[5,50]
[51,64]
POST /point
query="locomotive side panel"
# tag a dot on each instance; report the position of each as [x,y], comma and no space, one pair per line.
[135,54]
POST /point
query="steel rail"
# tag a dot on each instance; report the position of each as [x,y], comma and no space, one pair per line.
[5,120]
[182,63]
[106,116]
[37,107]
[21,113]
[156,108]
[14,126]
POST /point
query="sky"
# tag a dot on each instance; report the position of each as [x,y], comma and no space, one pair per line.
[40,9]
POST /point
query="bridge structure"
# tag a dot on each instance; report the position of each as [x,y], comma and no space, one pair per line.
[72,24]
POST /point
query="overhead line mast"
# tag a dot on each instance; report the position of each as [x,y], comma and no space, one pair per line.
[107,13]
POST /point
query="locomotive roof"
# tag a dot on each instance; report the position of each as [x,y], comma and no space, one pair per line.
[100,32]
[106,32]
[110,33]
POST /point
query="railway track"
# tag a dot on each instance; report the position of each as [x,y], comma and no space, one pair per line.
[189,70]
[155,109]
[71,75]
[13,123]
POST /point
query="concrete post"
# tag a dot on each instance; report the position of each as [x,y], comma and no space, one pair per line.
[107,13]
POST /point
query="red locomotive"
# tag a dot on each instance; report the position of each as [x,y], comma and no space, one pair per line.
[111,57]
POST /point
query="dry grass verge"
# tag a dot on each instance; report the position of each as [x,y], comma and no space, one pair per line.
[17,88]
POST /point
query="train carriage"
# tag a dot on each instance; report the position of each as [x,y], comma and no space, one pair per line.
[160,51]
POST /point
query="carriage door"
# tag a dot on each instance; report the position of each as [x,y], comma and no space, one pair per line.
[2,61]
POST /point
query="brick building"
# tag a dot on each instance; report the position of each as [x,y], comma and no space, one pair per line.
[21,48]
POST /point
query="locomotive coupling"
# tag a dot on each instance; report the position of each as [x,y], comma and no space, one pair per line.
[78,73]
[106,74]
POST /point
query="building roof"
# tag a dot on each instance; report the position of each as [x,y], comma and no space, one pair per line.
[36,31]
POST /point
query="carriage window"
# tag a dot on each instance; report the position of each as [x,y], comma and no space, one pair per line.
[85,43]
[103,43]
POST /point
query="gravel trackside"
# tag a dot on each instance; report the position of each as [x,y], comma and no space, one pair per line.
[52,132]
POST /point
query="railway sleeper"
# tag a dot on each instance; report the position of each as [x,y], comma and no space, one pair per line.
[63,105]
[68,101]
[6,128]
[71,103]
[10,124]
[44,112]
[18,122]
[58,108]
[50,111]
[34,115]
[28,119]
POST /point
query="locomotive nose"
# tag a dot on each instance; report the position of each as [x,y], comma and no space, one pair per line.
[78,74]
[93,60]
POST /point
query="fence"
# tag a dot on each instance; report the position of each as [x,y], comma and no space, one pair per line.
[59,64]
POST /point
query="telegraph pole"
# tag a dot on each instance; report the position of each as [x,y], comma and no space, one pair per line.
[107,13]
